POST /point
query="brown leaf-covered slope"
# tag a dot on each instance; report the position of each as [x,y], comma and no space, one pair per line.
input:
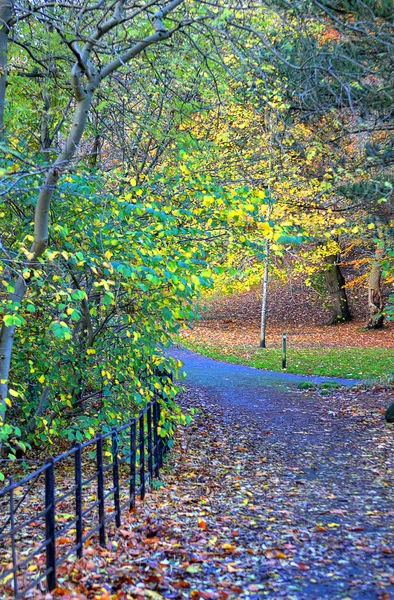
[293,308]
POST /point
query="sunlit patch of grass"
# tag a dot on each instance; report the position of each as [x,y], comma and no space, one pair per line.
[348,362]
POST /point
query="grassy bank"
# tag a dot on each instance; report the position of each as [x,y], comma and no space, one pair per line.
[376,364]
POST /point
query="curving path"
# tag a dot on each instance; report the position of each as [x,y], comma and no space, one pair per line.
[325,499]
[265,394]
[206,371]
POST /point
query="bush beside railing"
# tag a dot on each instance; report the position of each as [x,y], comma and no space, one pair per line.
[136,450]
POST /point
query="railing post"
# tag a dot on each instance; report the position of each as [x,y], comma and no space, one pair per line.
[78,499]
[115,475]
[160,440]
[156,438]
[133,441]
[150,444]
[163,444]
[13,547]
[50,524]
[142,455]
[100,489]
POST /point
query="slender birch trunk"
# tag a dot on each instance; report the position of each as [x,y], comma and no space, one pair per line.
[41,224]
[265,295]
[6,9]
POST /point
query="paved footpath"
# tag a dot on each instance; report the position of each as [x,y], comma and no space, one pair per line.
[324,522]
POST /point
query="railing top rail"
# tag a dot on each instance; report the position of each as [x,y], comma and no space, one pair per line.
[64,455]
[71,451]
[16,484]
[126,426]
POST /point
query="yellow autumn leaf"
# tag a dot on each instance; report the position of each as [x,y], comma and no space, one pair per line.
[264,227]
[153,595]
[208,200]
[227,546]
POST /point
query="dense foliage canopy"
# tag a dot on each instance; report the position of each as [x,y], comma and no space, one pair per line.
[152,150]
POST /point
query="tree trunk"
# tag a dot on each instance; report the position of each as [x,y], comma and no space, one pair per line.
[375,296]
[6,7]
[41,223]
[335,282]
[45,120]
[94,157]
[265,295]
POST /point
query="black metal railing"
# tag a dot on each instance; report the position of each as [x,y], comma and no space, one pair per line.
[44,522]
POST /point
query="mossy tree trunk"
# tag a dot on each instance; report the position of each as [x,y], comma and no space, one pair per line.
[335,281]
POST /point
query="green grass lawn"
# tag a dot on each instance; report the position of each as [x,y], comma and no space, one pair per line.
[376,364]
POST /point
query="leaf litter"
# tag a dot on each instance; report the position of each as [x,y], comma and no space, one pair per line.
[246,511]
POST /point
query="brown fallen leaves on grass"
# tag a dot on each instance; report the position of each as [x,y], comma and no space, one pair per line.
[236,320]
[249,512]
